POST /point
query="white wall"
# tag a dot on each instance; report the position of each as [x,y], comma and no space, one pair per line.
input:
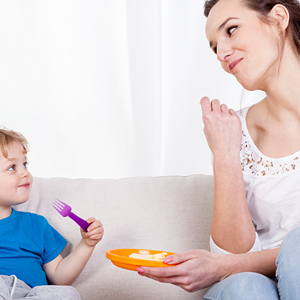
[110,89]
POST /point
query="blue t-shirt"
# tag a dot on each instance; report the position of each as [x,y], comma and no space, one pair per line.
[27,241]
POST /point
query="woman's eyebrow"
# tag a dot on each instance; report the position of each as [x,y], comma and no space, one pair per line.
[225,22]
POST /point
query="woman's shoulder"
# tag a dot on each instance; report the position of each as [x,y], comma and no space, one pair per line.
[252,111]
[243,112]
[251,120]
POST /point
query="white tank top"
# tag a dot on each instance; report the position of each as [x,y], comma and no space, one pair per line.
[272,191]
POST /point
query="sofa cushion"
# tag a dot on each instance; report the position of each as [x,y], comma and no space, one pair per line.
[171,213]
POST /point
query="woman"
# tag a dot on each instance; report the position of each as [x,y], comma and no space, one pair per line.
[256,159]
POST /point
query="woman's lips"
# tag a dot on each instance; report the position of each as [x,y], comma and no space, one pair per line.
[234,64]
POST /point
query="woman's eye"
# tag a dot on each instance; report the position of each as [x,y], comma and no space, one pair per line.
[231,29]
[12,168]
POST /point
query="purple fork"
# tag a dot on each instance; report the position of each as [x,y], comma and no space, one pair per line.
[66,211]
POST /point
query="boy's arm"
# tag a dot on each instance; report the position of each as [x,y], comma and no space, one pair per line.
[63,271]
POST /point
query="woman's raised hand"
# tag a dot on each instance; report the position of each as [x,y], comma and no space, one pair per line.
[222,128]
[195,270]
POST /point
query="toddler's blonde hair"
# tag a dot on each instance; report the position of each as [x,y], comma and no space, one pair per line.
[9,136]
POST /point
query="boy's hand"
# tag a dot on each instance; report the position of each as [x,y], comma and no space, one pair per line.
[94,232]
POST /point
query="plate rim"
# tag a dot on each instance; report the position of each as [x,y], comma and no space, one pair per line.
[137,261]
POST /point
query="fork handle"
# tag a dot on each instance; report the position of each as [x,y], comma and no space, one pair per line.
[82,223]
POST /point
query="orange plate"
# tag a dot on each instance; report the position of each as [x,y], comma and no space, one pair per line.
[121,259]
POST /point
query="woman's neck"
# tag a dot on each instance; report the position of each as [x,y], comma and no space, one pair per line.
[283,92]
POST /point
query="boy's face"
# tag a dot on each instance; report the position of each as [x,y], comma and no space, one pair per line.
[15,179]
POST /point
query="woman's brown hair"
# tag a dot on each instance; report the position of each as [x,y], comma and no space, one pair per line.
[263,7]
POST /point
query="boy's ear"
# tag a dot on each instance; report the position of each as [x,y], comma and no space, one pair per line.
[280,14]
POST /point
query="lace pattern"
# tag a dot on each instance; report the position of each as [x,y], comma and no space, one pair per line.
[255,164]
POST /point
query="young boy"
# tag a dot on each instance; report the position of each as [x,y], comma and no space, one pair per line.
[29,247]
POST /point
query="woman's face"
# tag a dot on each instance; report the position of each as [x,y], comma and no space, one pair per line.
[246,47]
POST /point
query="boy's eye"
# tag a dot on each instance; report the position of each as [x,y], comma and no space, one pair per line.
[231,29]
[12,168]
[25,165]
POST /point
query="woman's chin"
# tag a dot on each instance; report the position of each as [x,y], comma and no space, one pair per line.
[248,85]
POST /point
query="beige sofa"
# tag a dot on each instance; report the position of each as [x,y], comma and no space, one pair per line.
[161,213]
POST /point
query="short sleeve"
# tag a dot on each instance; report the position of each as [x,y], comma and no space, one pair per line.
[54,243]
[216,249]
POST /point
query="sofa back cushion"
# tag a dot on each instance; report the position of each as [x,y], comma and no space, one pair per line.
[171,213]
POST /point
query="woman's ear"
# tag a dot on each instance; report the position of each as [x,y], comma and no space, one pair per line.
[281,16]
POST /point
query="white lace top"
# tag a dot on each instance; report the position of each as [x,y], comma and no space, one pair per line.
[272,191]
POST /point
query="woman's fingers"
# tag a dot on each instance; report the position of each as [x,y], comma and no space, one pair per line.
[232,112]
[215,105]
[205,105]
[224,108]
[176,259]
[222,127]
[195,269]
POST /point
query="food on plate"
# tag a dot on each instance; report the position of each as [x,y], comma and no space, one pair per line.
[144,254]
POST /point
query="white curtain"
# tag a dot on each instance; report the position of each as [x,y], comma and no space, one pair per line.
[110,88]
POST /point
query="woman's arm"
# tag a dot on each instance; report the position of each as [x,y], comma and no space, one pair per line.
[64,271]
[232,228]
[198,269]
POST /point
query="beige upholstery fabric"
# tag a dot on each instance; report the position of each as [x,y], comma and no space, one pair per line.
[162,213]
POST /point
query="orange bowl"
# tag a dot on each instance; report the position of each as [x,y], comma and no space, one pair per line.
[121,259]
